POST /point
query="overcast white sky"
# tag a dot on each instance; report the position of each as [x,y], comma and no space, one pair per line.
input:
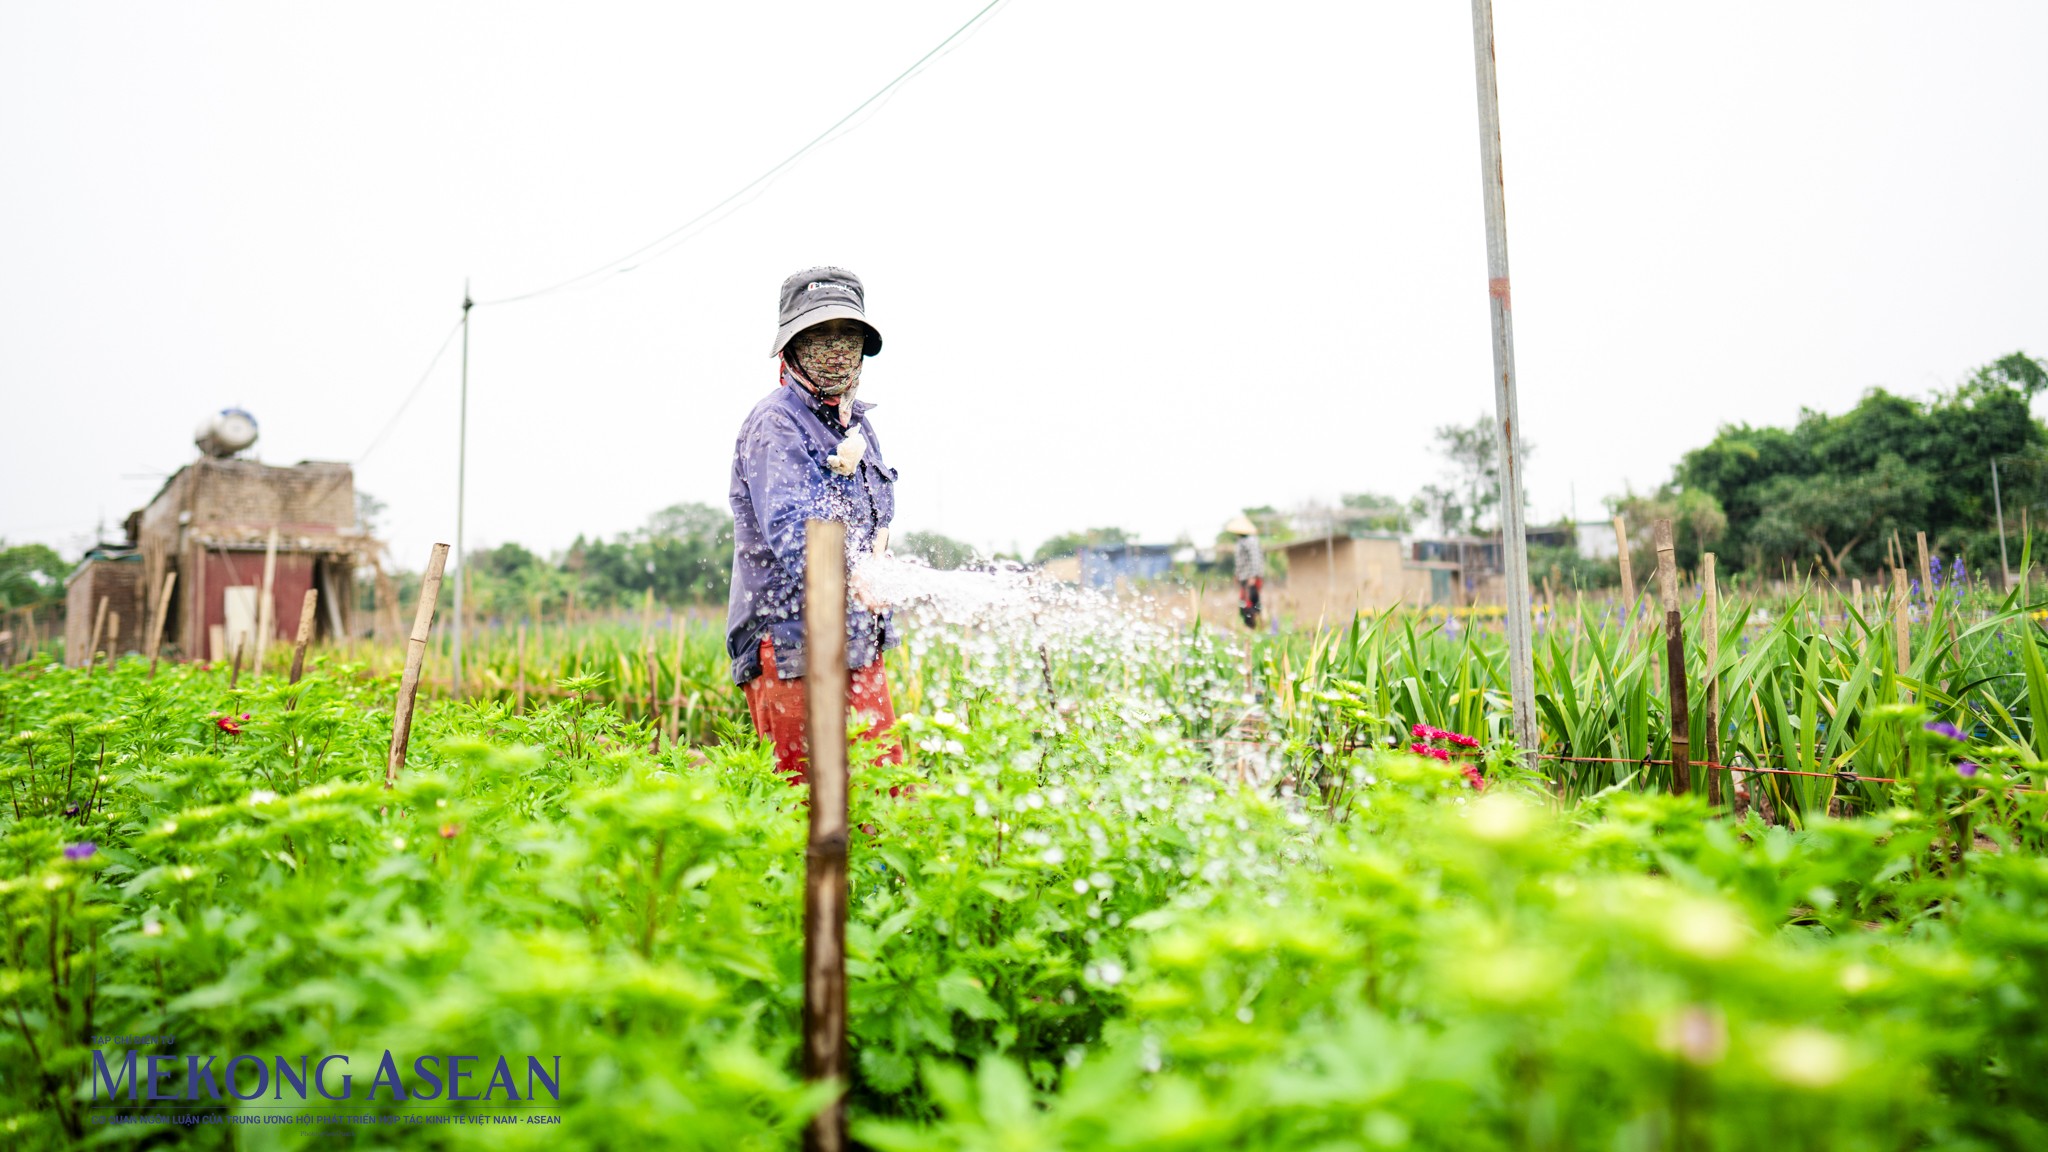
[1137,264]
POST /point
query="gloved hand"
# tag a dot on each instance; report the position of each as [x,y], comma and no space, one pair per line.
[846,458]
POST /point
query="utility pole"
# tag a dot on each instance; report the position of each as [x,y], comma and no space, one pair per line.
[1508,423]
[1998,505]
[461,478]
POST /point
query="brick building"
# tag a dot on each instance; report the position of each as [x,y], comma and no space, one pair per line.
[211,524]
[113,574]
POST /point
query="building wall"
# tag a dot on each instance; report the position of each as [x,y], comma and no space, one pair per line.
[1336,579]
[120,582]
[210,523]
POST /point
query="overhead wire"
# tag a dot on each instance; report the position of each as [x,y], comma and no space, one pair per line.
[412,395]
[745,194]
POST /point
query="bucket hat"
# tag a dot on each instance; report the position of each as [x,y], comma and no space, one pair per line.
[815,295]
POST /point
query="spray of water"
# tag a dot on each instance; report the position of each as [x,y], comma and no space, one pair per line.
[1149,671]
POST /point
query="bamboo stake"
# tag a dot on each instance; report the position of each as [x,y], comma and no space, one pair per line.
[113,638]
[266,612]
[519,673]
[675,702]
[156,627]
[92,649]
[1674,659]
[415,655]
[653,695]
[1926,572]
[825,684]
[1710,651]
[306,610]
[235,669]
[1628,578]
[1902,652]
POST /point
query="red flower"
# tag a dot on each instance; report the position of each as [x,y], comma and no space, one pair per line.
[1473,777]
[450,831]
[230,725]
[1426,750]
[1460,741]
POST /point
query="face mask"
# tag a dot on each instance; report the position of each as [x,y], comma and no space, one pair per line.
[830,360]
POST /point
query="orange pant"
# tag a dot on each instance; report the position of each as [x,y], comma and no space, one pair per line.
[778,709]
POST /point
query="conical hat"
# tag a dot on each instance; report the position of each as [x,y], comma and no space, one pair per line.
[1242,525]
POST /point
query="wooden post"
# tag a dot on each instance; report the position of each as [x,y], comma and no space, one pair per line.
[826,686]
[1902,652]
[1710,651]
[113,638]
[156,626]
[1628,578]
[266,612]
[235,669]
[306,610]
[99,623]
[1674,659]
[216,643]
[415,655]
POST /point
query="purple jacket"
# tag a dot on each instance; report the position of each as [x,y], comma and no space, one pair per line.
[779,480]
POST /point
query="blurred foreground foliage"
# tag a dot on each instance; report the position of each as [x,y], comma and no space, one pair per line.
[1078,926]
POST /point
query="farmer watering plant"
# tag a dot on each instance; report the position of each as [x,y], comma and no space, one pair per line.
[807,451]
[1251,568]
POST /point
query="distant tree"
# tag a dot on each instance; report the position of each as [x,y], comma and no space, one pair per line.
[1371,512]
[30,575]
[1468,502]
[1698,522]
[937,550]
[369,512]
[684,553]
[1938,479]
[1829,515]
[1068,543]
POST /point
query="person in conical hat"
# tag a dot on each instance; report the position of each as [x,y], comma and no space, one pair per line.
[1251,568]
[808,451]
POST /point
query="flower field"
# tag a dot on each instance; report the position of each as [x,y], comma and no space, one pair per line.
[1137,889]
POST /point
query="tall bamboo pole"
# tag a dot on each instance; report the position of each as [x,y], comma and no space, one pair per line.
[1902,651]
[306,611]
[266,612]
[1507,416]
[415,655]
[156,625]
[826,689]
[1710,652]
[1674,659]
[92,648]
[1926,574]
[1628,576]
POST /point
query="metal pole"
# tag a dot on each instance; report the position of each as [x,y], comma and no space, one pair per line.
[1515,553]
[461,477]
[1998,505]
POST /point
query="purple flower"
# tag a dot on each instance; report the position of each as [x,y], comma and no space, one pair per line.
[80,851]
[1966,768]
[1944,728]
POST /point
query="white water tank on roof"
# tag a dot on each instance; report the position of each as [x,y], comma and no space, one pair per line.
[225,433]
